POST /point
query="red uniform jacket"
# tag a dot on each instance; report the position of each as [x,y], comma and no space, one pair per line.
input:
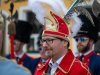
[68,66]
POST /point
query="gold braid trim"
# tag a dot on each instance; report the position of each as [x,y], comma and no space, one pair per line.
[88,73]
[69,68]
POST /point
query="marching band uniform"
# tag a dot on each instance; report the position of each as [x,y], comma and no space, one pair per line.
[92,60]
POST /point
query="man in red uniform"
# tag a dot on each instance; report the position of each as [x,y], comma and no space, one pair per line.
[55,42]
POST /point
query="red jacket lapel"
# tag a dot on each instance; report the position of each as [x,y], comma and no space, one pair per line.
[69,60]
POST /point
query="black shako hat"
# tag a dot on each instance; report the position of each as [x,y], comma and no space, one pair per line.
[23,31]
[87,29]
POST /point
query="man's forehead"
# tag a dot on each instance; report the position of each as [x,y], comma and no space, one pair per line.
[47,36]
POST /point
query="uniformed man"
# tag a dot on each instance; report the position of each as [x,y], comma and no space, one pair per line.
[22,36]
[55,42]
[8,67]
[86,38]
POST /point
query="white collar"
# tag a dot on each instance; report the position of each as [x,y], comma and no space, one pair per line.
[55,65]
[89,51]
[57,62]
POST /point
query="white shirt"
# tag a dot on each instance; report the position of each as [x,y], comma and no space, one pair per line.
[54,65]
[20,55]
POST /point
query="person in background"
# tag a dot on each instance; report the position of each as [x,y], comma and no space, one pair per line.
[43,58]
[40,60]
[55,43]
[22,36]
[86,37]
[85,43]
[8,67]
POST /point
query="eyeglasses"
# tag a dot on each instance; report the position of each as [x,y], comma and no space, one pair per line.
[48,41]
[81,39]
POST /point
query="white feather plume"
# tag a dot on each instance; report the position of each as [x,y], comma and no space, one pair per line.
[76,26]
[40,11]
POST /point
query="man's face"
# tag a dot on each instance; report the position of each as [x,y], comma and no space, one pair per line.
[53,46]
[83,44]
[17,45]
[43,53]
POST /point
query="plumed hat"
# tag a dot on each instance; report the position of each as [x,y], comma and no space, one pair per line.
[96,17]
[23,31]
[55,27]
[87,28]
[42,7]
[84,24]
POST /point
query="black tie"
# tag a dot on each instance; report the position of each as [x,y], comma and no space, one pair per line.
[81,57]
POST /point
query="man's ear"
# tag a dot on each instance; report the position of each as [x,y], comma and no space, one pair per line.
[65,44]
